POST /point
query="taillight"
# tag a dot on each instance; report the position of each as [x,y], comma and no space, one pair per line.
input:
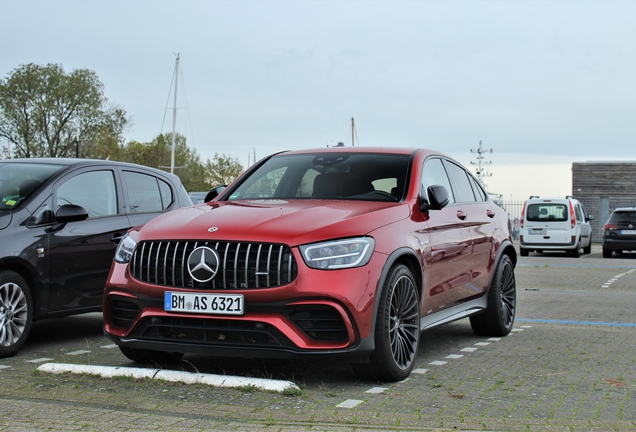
[610,226]
[573,218]
[523,212]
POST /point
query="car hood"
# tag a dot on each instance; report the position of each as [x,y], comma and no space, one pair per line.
[293,222]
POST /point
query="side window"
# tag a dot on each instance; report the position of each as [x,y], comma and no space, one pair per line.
[435,174]
[93,190]
[463,189]
[167,198]
[579,213]
[307,184]
[145,192]
[480,195]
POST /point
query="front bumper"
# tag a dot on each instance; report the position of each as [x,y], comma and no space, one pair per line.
[321,312]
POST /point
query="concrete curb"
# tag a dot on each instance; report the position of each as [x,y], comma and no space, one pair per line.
[168,375]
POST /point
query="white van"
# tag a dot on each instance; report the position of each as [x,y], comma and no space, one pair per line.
[555,224]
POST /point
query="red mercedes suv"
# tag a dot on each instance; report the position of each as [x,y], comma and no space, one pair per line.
[336,251]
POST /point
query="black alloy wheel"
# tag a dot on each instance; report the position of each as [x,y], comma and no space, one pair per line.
[499,316]
[397,331]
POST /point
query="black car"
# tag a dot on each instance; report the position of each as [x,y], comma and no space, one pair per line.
[60,222]
[620,232]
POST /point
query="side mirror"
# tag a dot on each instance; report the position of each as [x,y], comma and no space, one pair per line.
[214,192]
[70,213]
[590,217]
[438,198]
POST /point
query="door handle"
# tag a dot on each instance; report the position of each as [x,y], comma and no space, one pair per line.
[461,215]
[490,213]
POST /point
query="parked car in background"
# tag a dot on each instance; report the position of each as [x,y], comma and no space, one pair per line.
[197,197]
[620,232]
[337,251]
[555,224]
[60,222]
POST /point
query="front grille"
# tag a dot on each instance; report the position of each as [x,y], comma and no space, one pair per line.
[241,265]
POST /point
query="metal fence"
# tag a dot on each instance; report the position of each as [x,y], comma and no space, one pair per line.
[600,208]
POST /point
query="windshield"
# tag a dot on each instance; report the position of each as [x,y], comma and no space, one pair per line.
[352,176]
[18,181]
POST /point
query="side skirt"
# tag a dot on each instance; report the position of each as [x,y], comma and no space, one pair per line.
[454,313]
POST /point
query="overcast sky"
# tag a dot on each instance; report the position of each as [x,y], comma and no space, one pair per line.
[542,83]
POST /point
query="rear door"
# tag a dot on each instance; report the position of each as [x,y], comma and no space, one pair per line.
[146,196]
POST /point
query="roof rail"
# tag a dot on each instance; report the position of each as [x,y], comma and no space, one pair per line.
[569,197]
[534,196]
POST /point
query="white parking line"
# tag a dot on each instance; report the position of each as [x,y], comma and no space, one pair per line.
[76,353]
[349,403]
[39,360]
[377,390]
[615,278]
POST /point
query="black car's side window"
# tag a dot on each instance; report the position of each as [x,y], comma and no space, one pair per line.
[147,193]
[463,189]
[434,173]
[93,190]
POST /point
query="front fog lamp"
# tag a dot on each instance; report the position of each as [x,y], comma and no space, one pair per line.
[338,254]
[125,249]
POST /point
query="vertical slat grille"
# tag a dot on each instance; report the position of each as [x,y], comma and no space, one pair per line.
[241,266]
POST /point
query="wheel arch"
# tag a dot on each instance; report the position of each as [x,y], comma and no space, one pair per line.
[32,281]
[409,258]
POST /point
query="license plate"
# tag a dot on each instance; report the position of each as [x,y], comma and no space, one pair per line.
[213,304]
[628,232]
[537,231]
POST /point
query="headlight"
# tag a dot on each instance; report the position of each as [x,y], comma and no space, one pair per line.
[338,254]
[125,249]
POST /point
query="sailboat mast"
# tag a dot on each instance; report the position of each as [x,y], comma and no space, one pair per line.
[353,128]
[174,113]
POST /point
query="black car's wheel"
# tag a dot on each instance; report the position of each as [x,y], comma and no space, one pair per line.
[499,316]
[523,251]
[397,330]
[16,312]
[150,356]
[607,253]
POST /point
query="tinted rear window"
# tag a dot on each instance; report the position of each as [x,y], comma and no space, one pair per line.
[547,212]
[623,217]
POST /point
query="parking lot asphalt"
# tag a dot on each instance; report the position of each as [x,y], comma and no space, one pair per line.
[568,365]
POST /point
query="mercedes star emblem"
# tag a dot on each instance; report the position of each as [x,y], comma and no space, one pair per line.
[203,264]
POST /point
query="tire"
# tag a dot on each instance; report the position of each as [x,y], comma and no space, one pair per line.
[523,252]
[607,253]
[575,253]
[499,316]
[397,329]
[150,356]
[587,249]
[16,312]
